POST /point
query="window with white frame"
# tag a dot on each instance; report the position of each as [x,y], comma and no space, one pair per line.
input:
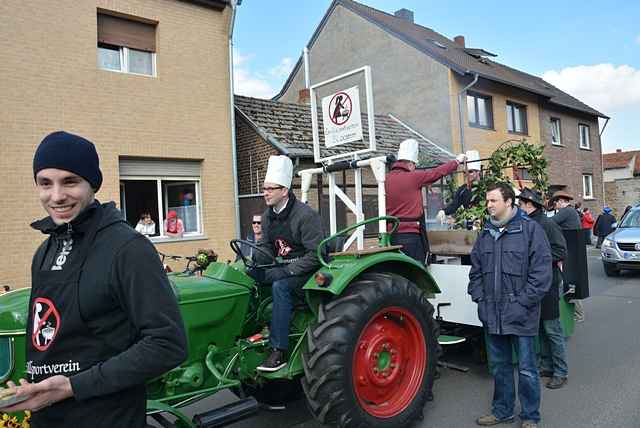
[516,118]
[583,134]
[587,186]
[126,45]
[556,136]
[157,187]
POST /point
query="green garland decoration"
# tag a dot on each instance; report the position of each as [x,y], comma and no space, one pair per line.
[514,154]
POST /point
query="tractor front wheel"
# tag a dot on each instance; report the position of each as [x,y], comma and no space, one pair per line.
[371,354]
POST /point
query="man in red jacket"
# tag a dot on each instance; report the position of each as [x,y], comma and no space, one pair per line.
[404,197]
[587,224]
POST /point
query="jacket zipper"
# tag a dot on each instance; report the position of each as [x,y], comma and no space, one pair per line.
[495,286]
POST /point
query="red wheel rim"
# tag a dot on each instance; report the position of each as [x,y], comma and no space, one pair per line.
[389,362]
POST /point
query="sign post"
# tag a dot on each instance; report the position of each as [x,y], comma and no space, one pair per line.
[341,125]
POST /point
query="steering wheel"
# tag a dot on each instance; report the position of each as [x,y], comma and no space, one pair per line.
[236,246]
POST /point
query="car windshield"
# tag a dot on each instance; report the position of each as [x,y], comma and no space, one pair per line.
[632,219]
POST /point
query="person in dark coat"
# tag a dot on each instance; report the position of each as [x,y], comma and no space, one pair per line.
[568,219]
[403,186]
[553,361]
[604,225]
[292,231]
[510,274]
[566,216]
[112,318]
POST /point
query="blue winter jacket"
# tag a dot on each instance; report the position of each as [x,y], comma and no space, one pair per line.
[510,274]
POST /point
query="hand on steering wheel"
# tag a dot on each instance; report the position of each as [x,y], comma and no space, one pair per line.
[249,263]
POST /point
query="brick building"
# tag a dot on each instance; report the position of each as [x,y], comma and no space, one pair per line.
[154,98]
[458,96]
[267,127]
[622,179]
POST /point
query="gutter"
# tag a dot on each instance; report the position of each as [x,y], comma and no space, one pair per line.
[234,161]
[604,196]
[460,114]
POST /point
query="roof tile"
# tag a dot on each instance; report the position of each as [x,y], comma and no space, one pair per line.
[294,134]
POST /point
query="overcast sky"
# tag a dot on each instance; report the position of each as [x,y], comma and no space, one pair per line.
[590,49]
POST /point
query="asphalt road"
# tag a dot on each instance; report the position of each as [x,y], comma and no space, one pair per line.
[604,380]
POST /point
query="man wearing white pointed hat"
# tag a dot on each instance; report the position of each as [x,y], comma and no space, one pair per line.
[290,230]
[403,186]
[463,196]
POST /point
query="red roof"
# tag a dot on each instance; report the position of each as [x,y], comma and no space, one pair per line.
[621,160]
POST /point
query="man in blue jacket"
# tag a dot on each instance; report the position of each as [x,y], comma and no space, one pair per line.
[510,274]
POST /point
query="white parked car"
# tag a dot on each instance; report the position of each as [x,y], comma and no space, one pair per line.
[621,248]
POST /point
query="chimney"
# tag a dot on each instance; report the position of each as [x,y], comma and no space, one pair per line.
[618,150]
[405,14]
[304,96]
[459,40]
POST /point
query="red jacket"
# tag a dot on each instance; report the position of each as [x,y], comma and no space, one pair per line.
[587,220]
[404,194]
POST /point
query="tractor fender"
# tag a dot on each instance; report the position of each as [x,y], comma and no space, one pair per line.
[344,269]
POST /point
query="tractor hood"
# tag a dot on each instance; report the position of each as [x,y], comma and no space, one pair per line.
[13,311]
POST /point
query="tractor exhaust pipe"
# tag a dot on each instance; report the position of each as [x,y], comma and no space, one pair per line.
[228,414]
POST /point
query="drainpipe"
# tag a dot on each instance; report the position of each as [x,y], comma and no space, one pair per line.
[460,114]
[604,199]
[234,164]
[307,79]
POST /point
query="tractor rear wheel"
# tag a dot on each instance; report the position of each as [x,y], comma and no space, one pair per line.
[371,354]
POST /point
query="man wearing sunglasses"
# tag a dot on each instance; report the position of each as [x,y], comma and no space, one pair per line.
[292,231]
[254,237]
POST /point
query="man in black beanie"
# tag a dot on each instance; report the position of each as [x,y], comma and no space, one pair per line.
[103,319]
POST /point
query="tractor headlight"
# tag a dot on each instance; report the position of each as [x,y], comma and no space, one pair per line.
[6,358]
[608,243]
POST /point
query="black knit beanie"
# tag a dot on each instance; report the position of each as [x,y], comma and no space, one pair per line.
[62,150]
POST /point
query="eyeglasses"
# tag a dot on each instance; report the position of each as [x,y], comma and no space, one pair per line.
[271,189]
[257,222]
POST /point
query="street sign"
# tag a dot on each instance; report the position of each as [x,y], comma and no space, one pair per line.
[341,117]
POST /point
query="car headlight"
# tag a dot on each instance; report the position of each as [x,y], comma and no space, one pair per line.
[608,243]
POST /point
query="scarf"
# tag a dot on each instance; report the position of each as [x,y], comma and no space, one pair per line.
[502,223]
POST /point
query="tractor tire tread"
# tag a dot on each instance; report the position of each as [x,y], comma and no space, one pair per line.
[329,338]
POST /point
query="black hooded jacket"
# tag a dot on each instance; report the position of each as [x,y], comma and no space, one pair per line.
[124,297]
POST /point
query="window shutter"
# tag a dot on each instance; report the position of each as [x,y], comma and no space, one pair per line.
[113,30]
[159,168]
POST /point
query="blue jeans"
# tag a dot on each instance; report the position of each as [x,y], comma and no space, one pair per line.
[501,358]
[284,293]
[553,353]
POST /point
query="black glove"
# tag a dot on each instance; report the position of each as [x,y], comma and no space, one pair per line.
[256,274]
[276,273]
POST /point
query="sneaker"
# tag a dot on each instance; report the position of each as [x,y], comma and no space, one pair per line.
[274,362]
[529,424]
[556,382]
[490,420]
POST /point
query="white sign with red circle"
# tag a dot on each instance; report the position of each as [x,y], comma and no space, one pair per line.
[46,323]
[341,117]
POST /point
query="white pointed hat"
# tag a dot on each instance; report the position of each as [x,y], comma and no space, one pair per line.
[473,162]
[279,171]
[408,150]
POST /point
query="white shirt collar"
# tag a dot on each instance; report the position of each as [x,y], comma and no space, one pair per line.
[283,207]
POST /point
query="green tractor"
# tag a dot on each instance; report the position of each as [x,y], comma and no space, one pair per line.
[363,334]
